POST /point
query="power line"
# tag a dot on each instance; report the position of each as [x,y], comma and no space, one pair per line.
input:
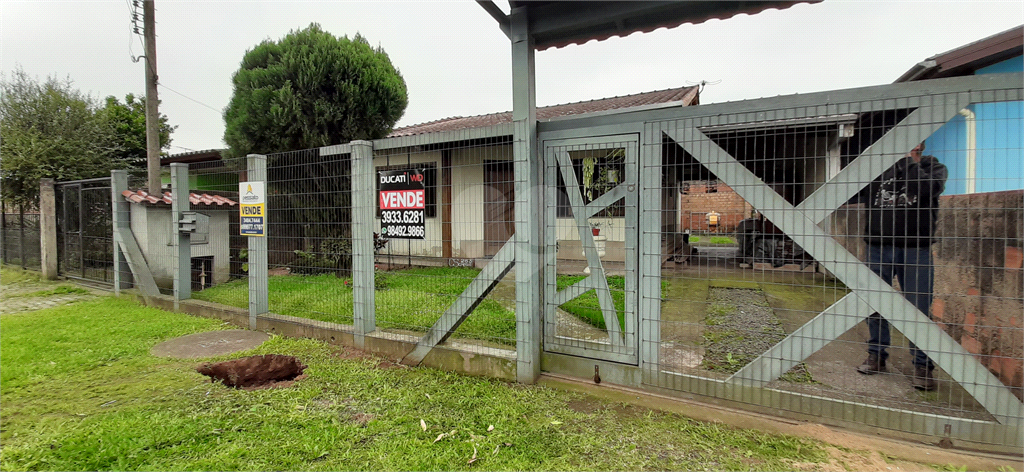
[188,97]
[133,17]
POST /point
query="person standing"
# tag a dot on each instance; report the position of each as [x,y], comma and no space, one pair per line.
[902,209]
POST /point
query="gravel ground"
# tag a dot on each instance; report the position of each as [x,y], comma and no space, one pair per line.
[740,327]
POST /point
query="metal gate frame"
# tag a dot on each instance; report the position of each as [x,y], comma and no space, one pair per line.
[933,103]
[66,234]
[624,340]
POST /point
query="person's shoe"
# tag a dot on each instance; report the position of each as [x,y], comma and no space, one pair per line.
[872,365]
[923,379]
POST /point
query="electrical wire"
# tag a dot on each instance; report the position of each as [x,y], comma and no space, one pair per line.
[188,97]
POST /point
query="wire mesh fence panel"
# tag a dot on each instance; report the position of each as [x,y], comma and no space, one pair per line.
[21,238]
[85,241]
[865,264]
[433,254]
[592,238]
[219,254]
[309,236]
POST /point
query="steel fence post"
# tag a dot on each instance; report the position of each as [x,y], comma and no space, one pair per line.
[529,208]
[182,241]
[259,304]
[363,203]
[121,212]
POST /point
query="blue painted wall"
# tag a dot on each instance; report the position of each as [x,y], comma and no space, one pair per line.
[999,153]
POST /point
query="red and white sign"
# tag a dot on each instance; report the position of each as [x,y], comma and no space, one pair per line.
[403,202]
[402,199]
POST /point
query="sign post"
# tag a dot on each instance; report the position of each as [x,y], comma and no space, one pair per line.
[252,209]
[402,204]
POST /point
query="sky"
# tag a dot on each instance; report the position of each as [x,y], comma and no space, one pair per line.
[456,62]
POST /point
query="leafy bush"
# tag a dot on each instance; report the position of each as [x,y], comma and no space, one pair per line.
[335,256]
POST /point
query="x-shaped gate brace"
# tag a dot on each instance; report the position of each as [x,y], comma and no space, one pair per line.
[596,281]
[869,293]
[504,261]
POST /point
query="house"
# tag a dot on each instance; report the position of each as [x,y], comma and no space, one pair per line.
[982,146]
[470,191]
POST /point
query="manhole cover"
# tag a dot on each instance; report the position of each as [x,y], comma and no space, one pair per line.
[210,344]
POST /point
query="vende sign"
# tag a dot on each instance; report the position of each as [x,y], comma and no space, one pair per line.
[402,199]
[402,203]
[252,209]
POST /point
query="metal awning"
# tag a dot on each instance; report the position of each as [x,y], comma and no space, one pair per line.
[555,24]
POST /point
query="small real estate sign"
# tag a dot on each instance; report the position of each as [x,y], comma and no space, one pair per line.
[252,210]
[402,204]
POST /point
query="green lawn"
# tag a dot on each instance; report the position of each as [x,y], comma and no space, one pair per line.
[80,391]
[408,299]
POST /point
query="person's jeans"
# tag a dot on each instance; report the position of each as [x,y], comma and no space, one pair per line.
[913,268]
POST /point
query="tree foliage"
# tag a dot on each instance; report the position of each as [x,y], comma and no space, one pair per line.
[128,122]
[308,90]
[50,129]
[312,89]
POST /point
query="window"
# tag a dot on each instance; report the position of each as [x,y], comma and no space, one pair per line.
[430,181]
[607,170]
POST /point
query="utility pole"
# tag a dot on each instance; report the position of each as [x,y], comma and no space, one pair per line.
[152,102]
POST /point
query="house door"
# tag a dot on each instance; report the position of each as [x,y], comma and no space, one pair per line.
[499,205]
[592,237]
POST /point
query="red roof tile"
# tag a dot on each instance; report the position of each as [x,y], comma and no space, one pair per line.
[685,95]
[141,196]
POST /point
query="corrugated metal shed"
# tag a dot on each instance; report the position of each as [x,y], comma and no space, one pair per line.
[142,196]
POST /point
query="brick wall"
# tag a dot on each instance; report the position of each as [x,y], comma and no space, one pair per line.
[979,287]
[979,279]
[697,202]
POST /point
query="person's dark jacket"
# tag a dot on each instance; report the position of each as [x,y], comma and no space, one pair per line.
[903,204]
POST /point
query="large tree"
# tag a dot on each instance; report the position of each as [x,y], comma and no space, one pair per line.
[50,129]
[293,96]
[312,89]
[128,123]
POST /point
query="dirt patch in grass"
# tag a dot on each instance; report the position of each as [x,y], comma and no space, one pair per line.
[256,372]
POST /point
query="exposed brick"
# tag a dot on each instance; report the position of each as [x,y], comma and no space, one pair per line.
[1014,258]
[970,344]
[1011,370]
[938,309]
[973,292]
[995,362]
[970,321]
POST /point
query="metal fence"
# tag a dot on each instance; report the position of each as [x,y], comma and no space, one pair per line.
[469,199]
[716,252]
[828,195]
[20,239]
[85,230]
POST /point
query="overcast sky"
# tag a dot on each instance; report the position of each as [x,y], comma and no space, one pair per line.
[457,62]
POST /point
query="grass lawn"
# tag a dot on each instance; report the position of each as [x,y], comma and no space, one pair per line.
[80,391]
[712,239]
[408,299]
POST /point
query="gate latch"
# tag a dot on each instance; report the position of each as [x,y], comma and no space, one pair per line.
[193,222]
